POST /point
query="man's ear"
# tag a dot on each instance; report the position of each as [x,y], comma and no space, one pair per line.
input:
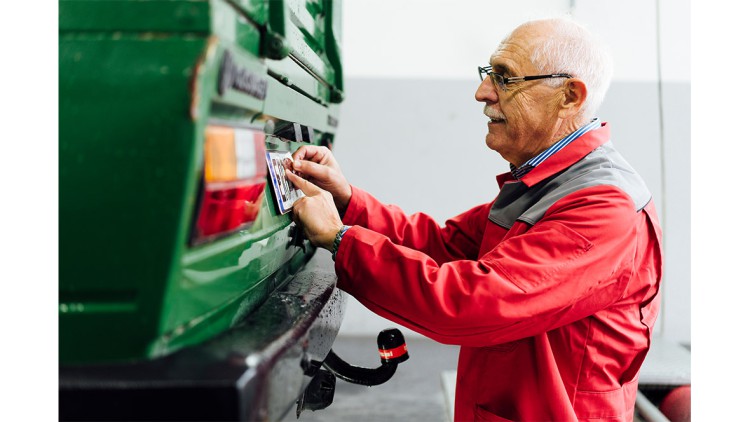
[574,95]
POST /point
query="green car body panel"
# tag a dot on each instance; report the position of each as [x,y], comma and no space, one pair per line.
[139,82]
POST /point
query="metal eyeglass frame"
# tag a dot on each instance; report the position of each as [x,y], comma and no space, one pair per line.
[503,82]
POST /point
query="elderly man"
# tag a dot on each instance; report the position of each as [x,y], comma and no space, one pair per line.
[552,288]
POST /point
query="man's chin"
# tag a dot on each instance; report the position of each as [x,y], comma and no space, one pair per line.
[496,144]
[493,141]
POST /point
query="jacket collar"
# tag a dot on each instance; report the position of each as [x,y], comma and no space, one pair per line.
[562,159]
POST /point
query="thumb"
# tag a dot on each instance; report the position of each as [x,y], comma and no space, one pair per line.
[306,187]
[311,168]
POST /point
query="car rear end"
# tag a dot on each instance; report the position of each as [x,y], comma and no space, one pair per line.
[182,286]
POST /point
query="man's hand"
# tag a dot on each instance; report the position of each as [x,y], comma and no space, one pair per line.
[318,165]
[316,213]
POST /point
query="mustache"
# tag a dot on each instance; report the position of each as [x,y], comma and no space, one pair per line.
[492,113]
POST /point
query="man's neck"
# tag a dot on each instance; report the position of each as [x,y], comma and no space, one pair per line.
[559,143]
[567,127]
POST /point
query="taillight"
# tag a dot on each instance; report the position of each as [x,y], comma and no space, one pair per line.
[234,181]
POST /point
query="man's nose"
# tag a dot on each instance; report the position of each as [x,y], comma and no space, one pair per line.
[486,93]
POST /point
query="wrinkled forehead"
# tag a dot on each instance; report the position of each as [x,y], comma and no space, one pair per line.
[515,51]
[513,54]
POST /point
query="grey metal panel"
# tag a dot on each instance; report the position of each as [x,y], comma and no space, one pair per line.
[676,211]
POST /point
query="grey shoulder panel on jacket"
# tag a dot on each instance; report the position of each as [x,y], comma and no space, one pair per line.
[602,166]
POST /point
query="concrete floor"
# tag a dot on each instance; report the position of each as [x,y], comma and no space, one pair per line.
[422,388]
[415,393]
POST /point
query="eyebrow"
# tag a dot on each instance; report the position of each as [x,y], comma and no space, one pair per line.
[500,68]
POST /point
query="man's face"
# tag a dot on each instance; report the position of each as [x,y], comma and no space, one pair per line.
[523,119]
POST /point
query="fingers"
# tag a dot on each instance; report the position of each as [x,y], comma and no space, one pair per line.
[295,210]
[310,153]
[301,153]
[306,187]
[313,169]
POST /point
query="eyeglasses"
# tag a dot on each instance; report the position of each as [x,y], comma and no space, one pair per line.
[503,82]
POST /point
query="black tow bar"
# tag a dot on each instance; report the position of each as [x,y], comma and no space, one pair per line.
[392,348]
[319,393]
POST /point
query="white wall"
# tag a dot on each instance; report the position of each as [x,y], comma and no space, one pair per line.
[429,39]
[410,112]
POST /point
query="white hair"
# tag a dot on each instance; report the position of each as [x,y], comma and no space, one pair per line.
[570,48]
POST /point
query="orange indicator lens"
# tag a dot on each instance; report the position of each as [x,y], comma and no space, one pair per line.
[221,159]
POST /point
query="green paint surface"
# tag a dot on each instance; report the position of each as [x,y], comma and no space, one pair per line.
[137,87]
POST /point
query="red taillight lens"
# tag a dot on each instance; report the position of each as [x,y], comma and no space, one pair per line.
[235,179]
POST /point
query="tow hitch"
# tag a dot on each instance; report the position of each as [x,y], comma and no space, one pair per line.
[319,393]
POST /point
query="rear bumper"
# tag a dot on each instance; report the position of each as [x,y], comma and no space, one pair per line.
[255,371]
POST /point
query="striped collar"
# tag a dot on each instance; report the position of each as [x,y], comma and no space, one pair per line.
[519,172]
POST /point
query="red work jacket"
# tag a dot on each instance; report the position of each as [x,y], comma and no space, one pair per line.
[553,301]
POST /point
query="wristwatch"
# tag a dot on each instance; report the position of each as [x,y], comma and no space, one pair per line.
[337,240]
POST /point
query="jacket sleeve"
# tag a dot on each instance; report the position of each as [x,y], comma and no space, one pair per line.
[574,262]
[460,238]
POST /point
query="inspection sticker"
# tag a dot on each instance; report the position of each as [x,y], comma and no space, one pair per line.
[284,191]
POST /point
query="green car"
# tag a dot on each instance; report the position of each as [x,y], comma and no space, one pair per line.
[186,292]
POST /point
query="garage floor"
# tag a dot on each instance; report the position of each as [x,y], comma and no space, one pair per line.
[422,388]
[415,393]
